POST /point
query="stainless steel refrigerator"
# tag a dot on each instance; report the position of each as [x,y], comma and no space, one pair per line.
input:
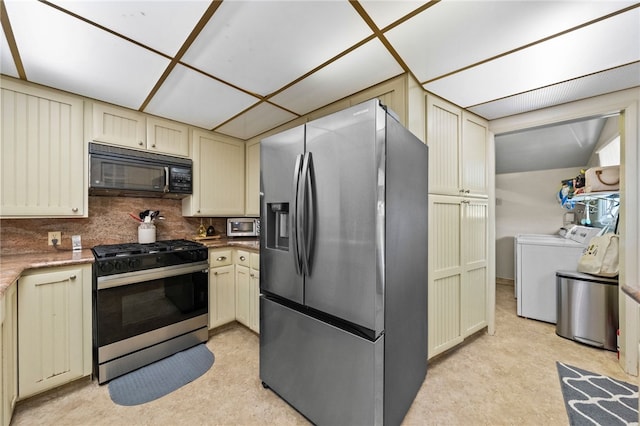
[343,273]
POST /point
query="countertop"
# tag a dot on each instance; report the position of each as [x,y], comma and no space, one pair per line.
[12,266]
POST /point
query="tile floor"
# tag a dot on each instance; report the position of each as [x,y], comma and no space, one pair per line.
[506,379]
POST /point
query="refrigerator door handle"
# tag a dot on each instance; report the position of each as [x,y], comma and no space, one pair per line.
[307,208]
[295,215]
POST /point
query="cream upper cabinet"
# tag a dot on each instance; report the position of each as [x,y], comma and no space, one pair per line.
[133,129]
[8,353]
[458,280]
[43,158]
[54,333]
[252,166]
[444,128]
[457,150]
[118,126]
[475,133]
[218,176]
[167,137]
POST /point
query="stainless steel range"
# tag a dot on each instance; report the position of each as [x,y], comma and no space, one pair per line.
[149,301]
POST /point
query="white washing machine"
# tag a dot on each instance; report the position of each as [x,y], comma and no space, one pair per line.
[538,257]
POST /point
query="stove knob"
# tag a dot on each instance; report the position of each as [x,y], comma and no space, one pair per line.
[106,267]
[134,263]
[120,265]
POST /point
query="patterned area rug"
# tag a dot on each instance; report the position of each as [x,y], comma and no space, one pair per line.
[593,399]
[162,377]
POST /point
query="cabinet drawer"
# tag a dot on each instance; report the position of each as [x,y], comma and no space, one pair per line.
[255,261]
[243,258]
[219,258]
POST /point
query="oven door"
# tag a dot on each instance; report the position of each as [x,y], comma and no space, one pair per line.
[145,305]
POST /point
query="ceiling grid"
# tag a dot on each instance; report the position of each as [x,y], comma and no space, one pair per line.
[244,67]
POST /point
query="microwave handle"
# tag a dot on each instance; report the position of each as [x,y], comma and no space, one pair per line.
[166,179]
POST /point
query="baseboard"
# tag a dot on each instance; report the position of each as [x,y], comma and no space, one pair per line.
[504,281]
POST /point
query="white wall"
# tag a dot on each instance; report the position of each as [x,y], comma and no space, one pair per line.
[526,203]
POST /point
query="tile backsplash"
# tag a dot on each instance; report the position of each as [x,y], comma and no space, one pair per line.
[108,223]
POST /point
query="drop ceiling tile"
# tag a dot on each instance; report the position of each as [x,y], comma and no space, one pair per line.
[261,46]
[592,85]
[461,33]
[384,13]
[257,120]
[368,65]
[191,97]
[7,65]
[161,25]
[603,45]
[66,53]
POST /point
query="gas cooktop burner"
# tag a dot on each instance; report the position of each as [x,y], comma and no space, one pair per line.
[131,249]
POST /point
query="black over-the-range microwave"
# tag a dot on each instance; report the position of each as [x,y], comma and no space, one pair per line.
[119,171]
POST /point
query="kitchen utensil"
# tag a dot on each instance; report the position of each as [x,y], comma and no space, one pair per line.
[135,217]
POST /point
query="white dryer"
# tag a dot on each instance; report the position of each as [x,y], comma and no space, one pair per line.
[538,257]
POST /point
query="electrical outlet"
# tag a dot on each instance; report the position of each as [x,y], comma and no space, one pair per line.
[54,236]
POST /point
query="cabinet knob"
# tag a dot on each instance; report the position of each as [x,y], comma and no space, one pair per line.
[221,258]
[140,143]
[215,273]
[243,258]
[252,275]
[466,191]
[75,210]
[153,146]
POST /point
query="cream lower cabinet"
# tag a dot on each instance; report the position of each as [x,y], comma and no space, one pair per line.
[248,289]
[457,293]
[8,353]
[43,165]
[222,288]
[54,333]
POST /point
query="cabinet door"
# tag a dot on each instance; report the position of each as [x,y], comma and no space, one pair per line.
[445,273]
[167,137]
[218,169]
[54,337]
[253,180]
[9,353]
[474,154]
[118,126]
[43,161]
[254,300]
[444,130]
[474,258]
[222,309]
[243,295]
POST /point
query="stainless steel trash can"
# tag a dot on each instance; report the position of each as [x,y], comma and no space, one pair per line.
[587,309]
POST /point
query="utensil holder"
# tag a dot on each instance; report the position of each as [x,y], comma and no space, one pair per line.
[146,233]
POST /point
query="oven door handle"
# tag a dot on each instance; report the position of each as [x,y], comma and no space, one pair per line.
[135,277]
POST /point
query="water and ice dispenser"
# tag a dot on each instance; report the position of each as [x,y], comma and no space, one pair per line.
[277,226]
